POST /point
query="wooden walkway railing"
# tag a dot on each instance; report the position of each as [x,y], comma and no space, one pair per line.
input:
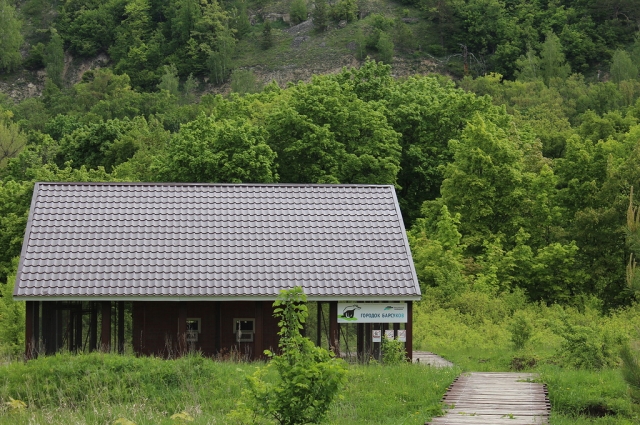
[495,398]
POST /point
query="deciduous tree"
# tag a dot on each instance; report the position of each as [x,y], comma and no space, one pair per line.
[10,37]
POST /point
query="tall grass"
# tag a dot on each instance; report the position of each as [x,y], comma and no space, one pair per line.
[574,349]
[101,388]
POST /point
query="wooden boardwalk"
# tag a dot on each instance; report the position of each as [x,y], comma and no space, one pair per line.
[430,359]
[495,398]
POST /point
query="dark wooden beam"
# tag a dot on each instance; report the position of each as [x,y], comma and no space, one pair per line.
[360,342]
[409,328]
[105,329]
[258,337]
[93,327]
[334,329]
[182,327]
[217,312]
[49,327]
[78,328]
[121,327]
[319,324]
[29,329]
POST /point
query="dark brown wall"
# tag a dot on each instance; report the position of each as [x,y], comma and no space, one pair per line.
[155,327]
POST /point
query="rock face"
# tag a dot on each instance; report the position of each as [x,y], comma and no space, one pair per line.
[31,83]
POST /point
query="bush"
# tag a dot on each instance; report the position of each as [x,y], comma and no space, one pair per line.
[298,11]
[393,351]
[521,329]
[309,377]
[586,347]
[345,10]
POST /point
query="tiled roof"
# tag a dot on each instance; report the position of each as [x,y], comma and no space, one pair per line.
[132,241]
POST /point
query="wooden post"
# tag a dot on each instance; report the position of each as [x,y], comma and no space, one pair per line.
[57,327]
[182,327]
[30,331]
[258,341]
[105,329]
[121,327]
[218,326]
[319,324]
[93,327]
[360,341]
[48,327]
[334,329]
[409,328]
[367,341]
[78,328]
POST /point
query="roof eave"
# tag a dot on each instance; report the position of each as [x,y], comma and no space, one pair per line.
[156,298]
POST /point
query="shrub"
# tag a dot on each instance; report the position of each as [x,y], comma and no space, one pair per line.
[393,351]
[521,329]
[298,11]
[309,377]
[345,10]
[586,347]
[631,372]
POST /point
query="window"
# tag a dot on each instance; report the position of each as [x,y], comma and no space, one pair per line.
[244,329]
[193,329]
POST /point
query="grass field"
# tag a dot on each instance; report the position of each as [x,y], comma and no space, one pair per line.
[102,388]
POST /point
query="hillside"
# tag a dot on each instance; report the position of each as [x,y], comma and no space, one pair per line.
[290,40]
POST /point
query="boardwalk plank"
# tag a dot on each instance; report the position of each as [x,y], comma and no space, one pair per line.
[495,398]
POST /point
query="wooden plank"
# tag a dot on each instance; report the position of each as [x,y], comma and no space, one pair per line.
[495,398]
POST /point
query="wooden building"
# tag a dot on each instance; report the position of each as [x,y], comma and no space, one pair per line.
[198,266]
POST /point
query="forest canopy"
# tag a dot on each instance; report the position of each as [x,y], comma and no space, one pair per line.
[523,185]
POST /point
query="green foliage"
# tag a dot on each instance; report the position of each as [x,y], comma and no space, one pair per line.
[208,150]
[393,352]
[12,317]
[244,81]
[586,347]
[320,15]
[622,67]
[345,10]
[298,11]
[10,37]
[169,80]
[631,372]
[578,395]
[53,57]
[521,329]
[267,38]
[12,140]
[309,378]
[385,48]
[552,59]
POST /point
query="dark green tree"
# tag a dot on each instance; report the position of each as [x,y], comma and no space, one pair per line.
[320,15]
[552,60]
[298,11]
[10,37]
[54,58]
[267,38]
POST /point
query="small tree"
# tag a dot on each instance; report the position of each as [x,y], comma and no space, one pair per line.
[622,67]
[54,58]
[385,48]
[169,80]
[320,15]
[267,39]
[309,377]
[298,11]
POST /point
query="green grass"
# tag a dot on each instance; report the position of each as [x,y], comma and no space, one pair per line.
[100,388]
[474,331]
